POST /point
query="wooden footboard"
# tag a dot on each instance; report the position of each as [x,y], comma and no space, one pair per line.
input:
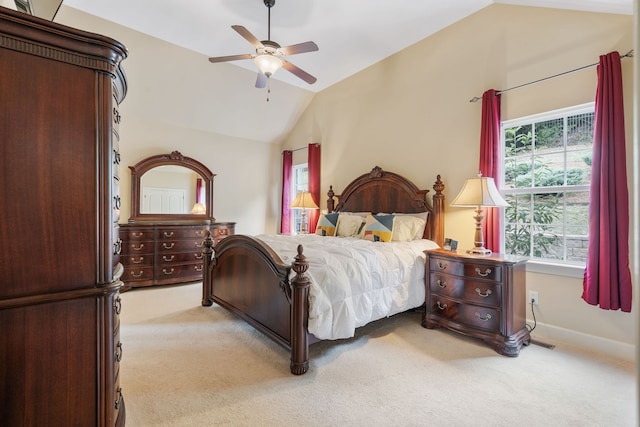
[248,278]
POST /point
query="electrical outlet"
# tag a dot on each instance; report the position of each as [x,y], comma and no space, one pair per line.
[533,297]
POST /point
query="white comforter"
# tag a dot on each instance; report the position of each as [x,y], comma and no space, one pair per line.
[355,281]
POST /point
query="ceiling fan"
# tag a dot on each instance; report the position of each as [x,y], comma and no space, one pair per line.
[269,54]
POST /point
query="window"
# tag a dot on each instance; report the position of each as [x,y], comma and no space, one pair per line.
[546,177]
[300,182]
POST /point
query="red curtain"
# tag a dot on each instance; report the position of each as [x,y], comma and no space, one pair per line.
[198,190]
[313,162]
[285,216]
[607,278]
[490,162]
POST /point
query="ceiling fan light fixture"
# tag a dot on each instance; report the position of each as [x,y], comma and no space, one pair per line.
[268,64]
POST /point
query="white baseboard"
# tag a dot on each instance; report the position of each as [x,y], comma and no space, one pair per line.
[558,336]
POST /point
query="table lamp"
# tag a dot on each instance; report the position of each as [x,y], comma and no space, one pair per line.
[479,193]
[304,201]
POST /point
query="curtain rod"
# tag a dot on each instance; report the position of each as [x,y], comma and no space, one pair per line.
[476,99]
[302,148]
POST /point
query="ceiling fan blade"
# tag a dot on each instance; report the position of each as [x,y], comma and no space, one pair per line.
[231,58]
[248,36]
[299,48]
[298,72]
[261,81]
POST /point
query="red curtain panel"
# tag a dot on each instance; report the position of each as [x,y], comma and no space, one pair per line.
[607,277]
[490,163]
[314,184]
[285,216]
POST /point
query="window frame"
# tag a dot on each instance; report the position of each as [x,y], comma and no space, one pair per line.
[572,268]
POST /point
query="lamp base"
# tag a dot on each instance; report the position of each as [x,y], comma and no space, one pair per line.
[480,251]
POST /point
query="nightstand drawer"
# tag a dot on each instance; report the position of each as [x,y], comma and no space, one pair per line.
[472,270]
[477,292]
[479,317]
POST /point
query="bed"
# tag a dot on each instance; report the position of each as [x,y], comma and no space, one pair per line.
[269,282]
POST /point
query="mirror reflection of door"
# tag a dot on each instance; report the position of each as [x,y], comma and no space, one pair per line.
[168,190]
[164,201]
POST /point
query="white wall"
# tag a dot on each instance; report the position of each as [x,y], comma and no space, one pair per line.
[411,114]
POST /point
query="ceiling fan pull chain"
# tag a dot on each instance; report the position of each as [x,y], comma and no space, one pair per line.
[268,89]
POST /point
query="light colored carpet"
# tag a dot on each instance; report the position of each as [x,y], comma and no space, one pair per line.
[188,365]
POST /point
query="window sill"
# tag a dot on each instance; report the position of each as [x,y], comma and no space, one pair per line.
[566,270]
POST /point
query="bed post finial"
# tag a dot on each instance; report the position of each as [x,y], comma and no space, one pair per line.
[438,210]
[207,254]
[299,315]
[330,201]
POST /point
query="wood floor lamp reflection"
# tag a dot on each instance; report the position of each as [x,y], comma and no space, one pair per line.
[304,201]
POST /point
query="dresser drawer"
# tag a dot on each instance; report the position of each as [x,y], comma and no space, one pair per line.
[180,258]
[137,247]
[182,233]
[477,292]
[172,246]
[133,273]
[469,315]
[137,260]
[179,271]
[130,234]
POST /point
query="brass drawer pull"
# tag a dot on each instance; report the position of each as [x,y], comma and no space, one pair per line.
[199,233]
[168,258]
[197,256]
[442,265]
[222,231]
[485,294]
[168,272]
[197,268]
[486,272]
[116,157]
[199,244]
[168,246]
[441,283]
[168,234]
[119,400]
[137,234]
[441,306]
[139,248]
[117,305]
[117,202]
[118,353]
[137,275]
[484,319]
[137,261]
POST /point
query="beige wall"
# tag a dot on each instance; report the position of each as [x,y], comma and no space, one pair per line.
[411,114]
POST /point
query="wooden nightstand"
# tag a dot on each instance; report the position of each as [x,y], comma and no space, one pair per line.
[480,296]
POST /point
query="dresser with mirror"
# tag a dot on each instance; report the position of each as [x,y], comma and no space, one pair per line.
[171,212]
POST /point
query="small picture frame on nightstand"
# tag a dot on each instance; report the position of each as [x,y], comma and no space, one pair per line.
[450,245]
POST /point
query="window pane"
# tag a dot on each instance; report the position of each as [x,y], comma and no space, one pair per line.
[579,167]
[577,208]
[549,169]
[519,209]
[550,134]
[580,130]
[577,244]
[547,242]
[518,239]
[518,140]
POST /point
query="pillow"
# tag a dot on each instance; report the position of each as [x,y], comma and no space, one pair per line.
[349,225]
[379,228]
[406,227]
[327,224]
[421,215]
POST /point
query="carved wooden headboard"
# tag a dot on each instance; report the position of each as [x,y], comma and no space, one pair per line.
[380,191]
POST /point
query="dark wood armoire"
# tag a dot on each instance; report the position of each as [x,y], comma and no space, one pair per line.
[59,208]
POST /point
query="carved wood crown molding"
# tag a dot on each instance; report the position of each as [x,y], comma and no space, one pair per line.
[60,55]
[376,172]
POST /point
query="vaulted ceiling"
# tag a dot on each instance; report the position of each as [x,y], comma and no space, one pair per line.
[351,34]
